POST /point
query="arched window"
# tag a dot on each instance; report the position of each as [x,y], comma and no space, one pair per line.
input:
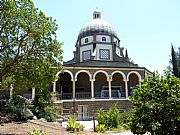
[86,40]
[104,39]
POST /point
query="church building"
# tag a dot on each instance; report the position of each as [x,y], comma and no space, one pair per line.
[100,74]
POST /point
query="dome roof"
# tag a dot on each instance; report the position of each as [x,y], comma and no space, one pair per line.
[96,26]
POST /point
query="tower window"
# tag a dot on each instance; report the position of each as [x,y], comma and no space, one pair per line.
[104,54]
[86,55]
[86,40]
[104,39]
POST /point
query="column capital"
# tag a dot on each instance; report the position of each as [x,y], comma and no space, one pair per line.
[73,79]
[125,80]
[109,80]
[110,77]
[92,80]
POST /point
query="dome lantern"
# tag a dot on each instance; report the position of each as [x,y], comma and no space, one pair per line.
[96,15]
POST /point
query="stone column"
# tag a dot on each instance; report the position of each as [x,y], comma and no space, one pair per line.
[33,93]
[92,88]
[54,92]
[11,90]
[74,97]
[54,87]
[109,84]
[74,89]
[126,88]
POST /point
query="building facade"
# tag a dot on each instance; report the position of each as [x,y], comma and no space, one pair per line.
[100,73]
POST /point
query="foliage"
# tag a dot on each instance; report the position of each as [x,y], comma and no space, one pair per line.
[175,62]
[111,118]
[114,116]
[3,103]
[43,106]
[16,107]
[125,119]
[28,46]
[37,131]
[73,126]
[100,128]
[156,105]
[101,116]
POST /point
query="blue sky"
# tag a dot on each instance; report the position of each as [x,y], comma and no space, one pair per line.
[145,27]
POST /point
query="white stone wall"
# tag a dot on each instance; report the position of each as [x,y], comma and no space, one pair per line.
[85,48]
[99,38]
[90,39]
[116,41]
[118,51]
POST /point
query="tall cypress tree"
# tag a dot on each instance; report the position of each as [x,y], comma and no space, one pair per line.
[178,62]
[174,61]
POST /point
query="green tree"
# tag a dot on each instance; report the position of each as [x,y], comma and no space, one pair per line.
[156,105]
[174,61]
[28,46]
[43,106]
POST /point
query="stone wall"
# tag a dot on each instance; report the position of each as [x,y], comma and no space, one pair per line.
[93,106]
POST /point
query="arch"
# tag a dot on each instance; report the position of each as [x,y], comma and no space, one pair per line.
[83,71]
[67,71]
[139,76]
[101,71]
[82,85]
[120,72]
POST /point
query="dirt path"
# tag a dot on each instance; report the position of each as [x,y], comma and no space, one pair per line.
[51,128]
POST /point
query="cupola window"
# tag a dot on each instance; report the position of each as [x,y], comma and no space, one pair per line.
[104,54]
[104,39]
[86,55]
[86,40]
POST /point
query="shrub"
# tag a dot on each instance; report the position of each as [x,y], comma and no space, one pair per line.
[125,119]
[114,116]
[111,118]
[73,126]
[43,106]
[156,105]
[101,116]
[3,103]
[37,131]
[17,107]
[100,128]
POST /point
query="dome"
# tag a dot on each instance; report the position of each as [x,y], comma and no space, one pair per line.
[96,26]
